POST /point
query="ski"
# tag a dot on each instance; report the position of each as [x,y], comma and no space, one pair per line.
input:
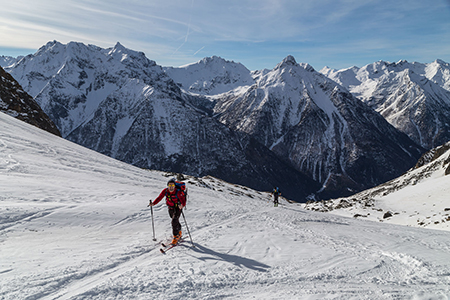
[168,246]
[163,250]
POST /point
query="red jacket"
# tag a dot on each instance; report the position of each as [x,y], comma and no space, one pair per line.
[171,198]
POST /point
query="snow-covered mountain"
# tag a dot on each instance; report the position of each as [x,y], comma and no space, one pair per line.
[119,103]
[211,76]
[321,128]
[71,81]
[6,61]
[417,198]
[414,97]
[15,102]
[74,225]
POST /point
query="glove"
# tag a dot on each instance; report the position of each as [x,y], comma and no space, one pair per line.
[151,203]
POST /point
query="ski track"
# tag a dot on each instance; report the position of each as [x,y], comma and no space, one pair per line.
[216,225]
[323,276]
[141,270]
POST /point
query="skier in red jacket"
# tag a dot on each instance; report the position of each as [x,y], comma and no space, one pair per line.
[175,200]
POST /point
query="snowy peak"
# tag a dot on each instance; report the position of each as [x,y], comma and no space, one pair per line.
[304,116]
[439,73]
[54,46]
[119,48]
[212,62]
[131,58]
[6,61]
[70,81]
[211,76]
[346,77]
[287,61]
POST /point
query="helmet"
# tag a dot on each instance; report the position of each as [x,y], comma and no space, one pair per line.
[171,180]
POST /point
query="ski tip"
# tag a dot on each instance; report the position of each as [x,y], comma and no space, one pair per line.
[162,251]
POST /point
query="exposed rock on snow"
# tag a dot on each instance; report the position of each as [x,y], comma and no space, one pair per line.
[417,198]
[15,102]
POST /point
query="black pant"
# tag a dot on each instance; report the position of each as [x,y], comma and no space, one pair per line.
[174,213]
[275,199]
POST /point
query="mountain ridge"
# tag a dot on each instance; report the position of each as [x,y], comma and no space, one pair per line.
[413,97]
[119,103]
[293,103]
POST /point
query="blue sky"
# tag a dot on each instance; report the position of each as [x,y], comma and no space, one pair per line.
[256,33]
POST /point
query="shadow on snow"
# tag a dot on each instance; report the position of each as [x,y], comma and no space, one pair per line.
[234,259]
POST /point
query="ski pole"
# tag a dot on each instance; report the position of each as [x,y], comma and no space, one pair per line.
[153,224]
[187,228]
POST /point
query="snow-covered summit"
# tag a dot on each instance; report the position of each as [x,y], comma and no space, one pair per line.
[211,76]
[287,61]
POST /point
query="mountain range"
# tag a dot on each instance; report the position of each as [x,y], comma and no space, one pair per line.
[305,118]
[319,127]
[121,104]
[414,97]
[290,126]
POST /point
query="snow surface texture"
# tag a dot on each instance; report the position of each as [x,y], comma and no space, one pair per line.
[74,224]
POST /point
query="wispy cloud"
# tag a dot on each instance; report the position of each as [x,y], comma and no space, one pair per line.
[176,31]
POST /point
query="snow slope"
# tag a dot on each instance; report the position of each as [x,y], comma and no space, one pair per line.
[417,198]
[74,225]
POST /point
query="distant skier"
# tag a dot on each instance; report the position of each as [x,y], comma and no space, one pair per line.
[276,193]
[175,200]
